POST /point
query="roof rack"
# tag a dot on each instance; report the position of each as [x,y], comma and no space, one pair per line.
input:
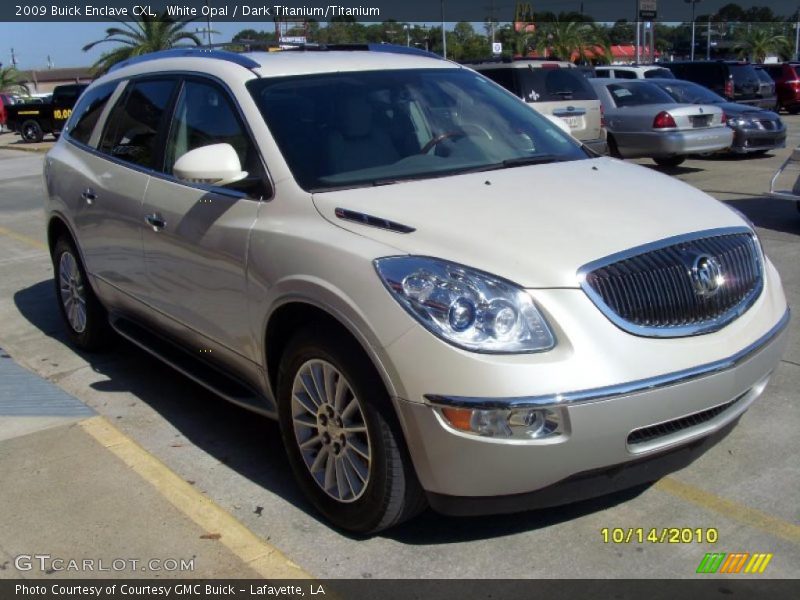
[510,59]
[214,51]
[191,52]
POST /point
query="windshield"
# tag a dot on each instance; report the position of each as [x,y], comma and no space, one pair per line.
[339,130]
[637,93]
[690,93]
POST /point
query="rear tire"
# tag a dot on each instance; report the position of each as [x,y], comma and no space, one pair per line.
[342,436]
[86,320]
[669,161]
[31,131]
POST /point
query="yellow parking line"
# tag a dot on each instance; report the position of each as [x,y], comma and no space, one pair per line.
[732,510]
[263,558]
[23,238]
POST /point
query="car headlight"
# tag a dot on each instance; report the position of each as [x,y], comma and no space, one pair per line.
[467,308]
[743,123]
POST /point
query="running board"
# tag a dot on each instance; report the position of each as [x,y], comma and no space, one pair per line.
[198,370]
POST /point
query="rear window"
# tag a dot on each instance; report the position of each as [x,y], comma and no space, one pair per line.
[707,74]
[67,94]
[549,85]
[660,73]
[502,77]
[763,76]
[743,73]
[638,93]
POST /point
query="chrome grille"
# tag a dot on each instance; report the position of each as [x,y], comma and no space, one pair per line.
[682,286]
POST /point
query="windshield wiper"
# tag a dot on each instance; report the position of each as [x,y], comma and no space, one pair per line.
[522,161]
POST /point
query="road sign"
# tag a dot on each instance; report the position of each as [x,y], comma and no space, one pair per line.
[647,9]
[497,48]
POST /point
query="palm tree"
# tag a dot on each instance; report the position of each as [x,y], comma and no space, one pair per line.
[759,42]
[149,34]
[571,39]
[10,81]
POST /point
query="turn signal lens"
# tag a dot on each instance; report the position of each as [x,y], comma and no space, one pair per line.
[663,120]
[520,423]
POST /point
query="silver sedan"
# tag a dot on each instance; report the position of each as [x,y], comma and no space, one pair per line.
[643,120]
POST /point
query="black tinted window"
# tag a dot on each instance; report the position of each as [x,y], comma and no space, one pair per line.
[67,94]
[774,72]
[503,77]
[707,74]
[548,85]
[742,73]
[658,74]
[620,74]
[763,76]
[638,93]
[84,117]
[133,126]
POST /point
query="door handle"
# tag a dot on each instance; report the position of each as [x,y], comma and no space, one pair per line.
[155,221]
[89,195]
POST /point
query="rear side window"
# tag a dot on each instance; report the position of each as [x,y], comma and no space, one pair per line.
[502,77]
[67,94]
[601,72]
[619,74]
[637,94]
[88,111]
[135,123]
[549,85]
[705,74]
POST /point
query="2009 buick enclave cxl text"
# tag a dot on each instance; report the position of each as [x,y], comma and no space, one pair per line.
[442,297]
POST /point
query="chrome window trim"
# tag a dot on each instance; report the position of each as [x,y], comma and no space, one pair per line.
[181,77]
[683,330]
[613,391]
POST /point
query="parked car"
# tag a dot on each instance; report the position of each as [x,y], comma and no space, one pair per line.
[755,130]
[5,101]
[787,84]
[553,88]
[633,72]
[644,121]
[766,90]
[32,120]
[735,81]
[441,297]
[787,173]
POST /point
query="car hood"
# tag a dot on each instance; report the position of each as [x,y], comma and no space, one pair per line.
[534,225]
[735,109]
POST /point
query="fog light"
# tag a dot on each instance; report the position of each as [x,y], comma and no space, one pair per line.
[525,423]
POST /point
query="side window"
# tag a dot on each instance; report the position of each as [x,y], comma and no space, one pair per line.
[619,74]
[502,77]
[603,72]
[133,128]
[88,111]
[204,115]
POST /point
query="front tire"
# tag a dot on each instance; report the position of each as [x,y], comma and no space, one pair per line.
[85,318]
[669,161]
[32,132]
[342,436]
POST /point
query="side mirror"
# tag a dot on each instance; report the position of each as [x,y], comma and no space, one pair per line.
[217,164]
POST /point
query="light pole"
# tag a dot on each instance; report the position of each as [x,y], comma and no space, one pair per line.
[797,36]
[692,2]
[444,35]
[408,35]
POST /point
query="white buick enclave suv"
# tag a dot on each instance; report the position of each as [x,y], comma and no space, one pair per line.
[442,297]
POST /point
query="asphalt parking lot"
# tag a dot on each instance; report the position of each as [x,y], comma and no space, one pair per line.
[206,453]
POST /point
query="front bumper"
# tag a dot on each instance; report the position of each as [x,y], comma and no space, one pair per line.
[612,384]
[755,140]
[673,143]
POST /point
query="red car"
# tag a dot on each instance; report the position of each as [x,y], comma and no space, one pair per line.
[787,84]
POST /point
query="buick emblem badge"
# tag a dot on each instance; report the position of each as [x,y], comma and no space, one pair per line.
[707,276]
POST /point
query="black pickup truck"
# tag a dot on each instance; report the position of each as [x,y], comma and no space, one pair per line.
[33,121]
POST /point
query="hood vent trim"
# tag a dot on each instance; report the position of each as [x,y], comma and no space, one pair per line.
[371,221]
